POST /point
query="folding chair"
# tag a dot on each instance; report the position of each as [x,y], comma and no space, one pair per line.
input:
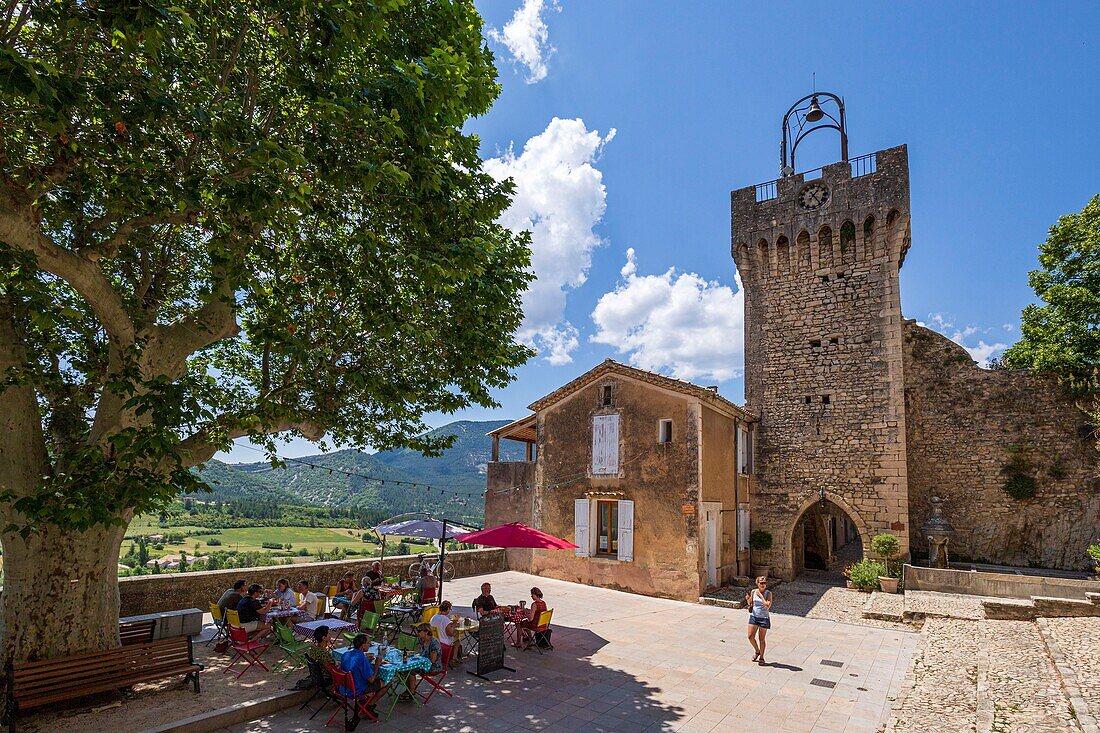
[219,624]
[349,699]
[232,618]
[320,687]
[322,606]
[406,642]
[435,680]
[367,625]
[540,635]
[245,650]
[293,650]
[427,613]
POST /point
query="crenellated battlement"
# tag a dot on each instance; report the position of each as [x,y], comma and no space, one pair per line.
[823,222]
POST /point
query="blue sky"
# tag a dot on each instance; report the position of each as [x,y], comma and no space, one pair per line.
[662,109]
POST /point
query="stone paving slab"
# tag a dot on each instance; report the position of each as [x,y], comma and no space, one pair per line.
[625,662]
[1074,646]
[885,607]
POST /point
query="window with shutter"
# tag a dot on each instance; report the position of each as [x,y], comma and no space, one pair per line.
[626,531]
[605,444]
[580,527]
[743,528]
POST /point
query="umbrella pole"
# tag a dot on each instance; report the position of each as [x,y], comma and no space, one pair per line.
[442,556]
[382,560]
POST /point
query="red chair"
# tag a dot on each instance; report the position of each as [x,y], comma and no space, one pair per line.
[435,680]
[245,649]
[348,698]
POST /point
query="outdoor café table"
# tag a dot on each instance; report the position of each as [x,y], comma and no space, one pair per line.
[397,590]
[278,613]
[467,636]
[394,669]
[335,626]
[513,619]
[403,615]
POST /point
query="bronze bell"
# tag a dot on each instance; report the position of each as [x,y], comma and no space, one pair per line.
[815,112]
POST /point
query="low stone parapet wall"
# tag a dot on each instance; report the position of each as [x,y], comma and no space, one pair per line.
[170,591]
[998,585]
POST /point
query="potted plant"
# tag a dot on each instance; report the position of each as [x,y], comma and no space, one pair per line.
[848,577]
[886,546]
[1094,553]
[760,541]
[866,574]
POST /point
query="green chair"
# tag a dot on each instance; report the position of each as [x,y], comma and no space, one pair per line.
[406,642]
[293,650]
[367,625]
[392,580]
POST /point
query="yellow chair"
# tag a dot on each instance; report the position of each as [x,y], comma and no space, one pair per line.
[232,618]
[330,591]
[428,613]
[219,624]
[322,605]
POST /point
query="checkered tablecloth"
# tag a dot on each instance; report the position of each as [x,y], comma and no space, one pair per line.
[394,662]
[283,612]
[335,626]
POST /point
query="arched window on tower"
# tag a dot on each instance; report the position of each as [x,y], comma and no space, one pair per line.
[869,236]
[783,254]
[763,253]
[825,247]
[803,246]
[848,242]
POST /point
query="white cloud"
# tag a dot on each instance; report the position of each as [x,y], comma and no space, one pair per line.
[675,322]
[559,198]
[981,352]
[527,38]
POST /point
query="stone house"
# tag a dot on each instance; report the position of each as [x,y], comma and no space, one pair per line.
[651,476]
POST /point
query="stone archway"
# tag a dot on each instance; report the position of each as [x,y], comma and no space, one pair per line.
[826,535]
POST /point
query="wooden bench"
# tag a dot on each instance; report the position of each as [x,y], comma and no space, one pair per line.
[136,632]
[51,681]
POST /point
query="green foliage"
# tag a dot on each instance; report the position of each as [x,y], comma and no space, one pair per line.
[760,540]
[865,574]
[1094,553]
[885,545]
[271,545]
[213,542]
[1061,336]
[1019,482]
[236,220]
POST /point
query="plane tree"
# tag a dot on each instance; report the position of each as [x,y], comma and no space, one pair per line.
[256,219]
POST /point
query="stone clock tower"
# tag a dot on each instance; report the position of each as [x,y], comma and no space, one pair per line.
[819,255]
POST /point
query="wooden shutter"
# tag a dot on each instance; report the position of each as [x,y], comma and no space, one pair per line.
[605,444]
[580,527]
[626,531]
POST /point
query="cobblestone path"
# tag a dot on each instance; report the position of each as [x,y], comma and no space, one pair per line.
[1079,641]
[984,677]
[940,691]
[1024,690]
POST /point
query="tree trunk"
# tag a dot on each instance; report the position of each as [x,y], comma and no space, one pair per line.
[60,593]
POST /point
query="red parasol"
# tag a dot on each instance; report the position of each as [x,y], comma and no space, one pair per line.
[516,534]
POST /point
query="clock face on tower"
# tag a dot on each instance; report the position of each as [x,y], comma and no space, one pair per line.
[813,196]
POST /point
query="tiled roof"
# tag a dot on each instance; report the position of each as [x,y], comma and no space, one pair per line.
[610,366]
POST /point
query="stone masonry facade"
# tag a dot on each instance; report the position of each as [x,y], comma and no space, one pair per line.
[965,426]
[870,414]
[824,348]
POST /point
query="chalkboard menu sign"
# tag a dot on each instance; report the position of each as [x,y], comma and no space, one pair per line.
[490,646]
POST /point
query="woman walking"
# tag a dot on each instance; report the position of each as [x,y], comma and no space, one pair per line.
[760,604]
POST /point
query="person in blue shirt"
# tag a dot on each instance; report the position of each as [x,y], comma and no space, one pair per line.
[363,670]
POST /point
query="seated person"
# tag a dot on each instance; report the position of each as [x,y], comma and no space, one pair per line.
[345,590]
[365,598]
[307,608]
[284,596]
[317,655]
[375,574]
[364,669]
[252,611]
[531,615]
[485,603]
[426,587]
[231,597]
[445,626]
[429,646]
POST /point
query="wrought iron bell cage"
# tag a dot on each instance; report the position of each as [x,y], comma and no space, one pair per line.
[807,115]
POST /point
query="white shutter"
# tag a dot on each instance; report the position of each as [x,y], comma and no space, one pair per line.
[740,451]
[580,527]
[605,444]
[626,531]
[742,528]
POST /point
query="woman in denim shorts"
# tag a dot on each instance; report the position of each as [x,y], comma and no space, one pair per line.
[759,602]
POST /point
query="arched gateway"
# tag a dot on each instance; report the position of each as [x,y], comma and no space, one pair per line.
[826,535]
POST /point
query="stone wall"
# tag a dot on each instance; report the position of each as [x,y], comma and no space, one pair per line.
[997,585]
[661,479]
[509,497]
[823,349]
[170,591]
[963,425]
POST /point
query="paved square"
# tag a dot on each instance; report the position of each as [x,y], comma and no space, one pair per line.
[629,663]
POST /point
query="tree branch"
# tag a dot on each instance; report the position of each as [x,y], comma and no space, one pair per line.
[110,247]
[200,448]
[19,228]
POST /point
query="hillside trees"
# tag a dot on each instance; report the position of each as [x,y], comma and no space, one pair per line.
[227,220]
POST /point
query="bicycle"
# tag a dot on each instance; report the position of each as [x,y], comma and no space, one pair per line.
[433,568]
